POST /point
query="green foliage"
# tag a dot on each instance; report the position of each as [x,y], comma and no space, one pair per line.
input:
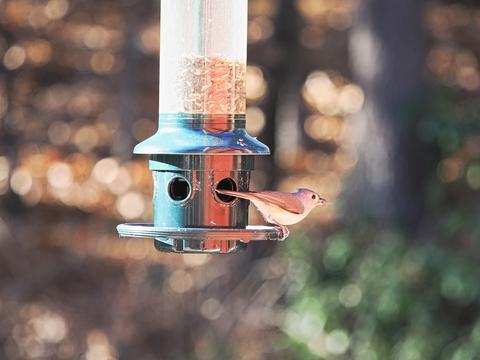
[391,299]
[451,124]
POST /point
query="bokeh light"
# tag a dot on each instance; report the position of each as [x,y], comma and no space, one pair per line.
[79,89]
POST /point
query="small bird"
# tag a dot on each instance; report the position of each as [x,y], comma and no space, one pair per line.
[281,208]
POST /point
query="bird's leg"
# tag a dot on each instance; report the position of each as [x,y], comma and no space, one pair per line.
[285,231]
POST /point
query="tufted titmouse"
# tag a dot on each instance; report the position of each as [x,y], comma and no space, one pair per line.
[279,207]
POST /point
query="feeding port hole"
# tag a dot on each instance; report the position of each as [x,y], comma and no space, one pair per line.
[179,189]
[226,184]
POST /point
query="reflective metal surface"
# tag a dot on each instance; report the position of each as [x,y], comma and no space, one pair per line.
[201,134]
[204,163]
[201,240]
[250,233]
[200,247]
[201,207]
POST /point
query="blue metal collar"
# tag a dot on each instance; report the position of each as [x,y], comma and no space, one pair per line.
[198,134]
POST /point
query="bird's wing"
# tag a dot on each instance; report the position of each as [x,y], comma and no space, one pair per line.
[283,200]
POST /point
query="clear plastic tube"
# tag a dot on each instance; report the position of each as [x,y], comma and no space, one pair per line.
[203,50]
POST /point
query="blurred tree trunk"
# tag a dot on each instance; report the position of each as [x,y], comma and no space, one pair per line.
[288,127]
[387,53]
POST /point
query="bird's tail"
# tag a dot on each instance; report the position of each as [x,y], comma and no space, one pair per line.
[248,195]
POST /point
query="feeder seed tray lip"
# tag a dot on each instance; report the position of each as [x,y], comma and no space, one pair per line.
[250,233]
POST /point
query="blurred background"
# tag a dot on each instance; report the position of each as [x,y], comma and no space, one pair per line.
[373,103]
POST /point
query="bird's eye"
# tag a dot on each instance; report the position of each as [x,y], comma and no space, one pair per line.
[314,197]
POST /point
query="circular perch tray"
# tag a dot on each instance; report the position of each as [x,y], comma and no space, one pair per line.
[250,233]
[201,240]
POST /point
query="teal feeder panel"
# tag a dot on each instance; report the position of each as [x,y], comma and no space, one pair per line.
[201,144]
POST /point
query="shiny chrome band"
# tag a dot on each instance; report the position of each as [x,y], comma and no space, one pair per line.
[201,121]
[201,163]
[201,240]
[250,233]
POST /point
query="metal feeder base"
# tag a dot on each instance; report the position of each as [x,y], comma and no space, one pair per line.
[201,240]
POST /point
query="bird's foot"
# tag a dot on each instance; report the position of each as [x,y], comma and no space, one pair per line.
[285,231]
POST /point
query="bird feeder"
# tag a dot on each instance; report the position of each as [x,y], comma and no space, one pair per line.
[201,144]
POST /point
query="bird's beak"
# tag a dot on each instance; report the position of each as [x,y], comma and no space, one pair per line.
[322,201]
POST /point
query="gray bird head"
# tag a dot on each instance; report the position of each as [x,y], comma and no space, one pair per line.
[310,198]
